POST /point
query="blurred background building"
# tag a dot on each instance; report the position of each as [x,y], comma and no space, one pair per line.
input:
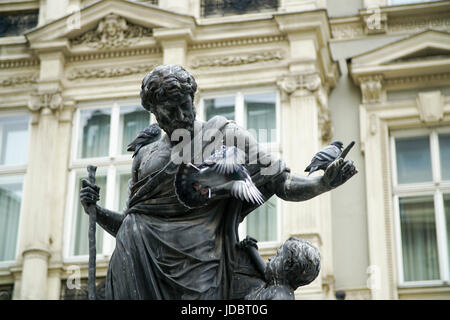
[309,71]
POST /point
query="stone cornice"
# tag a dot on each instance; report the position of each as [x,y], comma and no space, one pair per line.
[19,63]
[298,22]
[114,54]
[419,80]
[392,20]
[236,42]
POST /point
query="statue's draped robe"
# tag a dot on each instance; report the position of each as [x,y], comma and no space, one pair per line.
[165,251]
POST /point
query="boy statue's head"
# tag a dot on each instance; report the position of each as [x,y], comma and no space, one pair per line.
[296,264]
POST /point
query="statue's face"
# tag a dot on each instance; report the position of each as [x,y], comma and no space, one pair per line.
[172,115]
[111,29]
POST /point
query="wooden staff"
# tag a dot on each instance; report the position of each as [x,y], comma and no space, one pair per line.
[92,249]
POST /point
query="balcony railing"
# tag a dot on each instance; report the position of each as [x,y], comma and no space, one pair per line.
[211,8]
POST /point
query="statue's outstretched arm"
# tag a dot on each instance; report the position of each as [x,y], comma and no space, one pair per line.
[294,187]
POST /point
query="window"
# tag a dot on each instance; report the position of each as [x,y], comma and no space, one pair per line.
[13,158]
[16,23]
[256,110]
[421,165]
[102,132]
[232,7]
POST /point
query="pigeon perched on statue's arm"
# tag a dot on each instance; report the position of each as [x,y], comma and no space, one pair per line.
[145,137]
[222,174]
[327,155]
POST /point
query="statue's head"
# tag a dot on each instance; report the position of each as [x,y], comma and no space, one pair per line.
[168,92]
[296,264]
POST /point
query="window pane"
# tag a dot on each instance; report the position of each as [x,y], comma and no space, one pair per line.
[419,244]
[219,107]
[262,223]
[14,140]
[261,115]
[447,218]
[123,190]
[413,159]
[444,150]
[81,245]
[132,121]
[10,201]
[94,133]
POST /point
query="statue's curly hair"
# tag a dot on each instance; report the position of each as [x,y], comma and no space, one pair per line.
[299,266]
[166,83]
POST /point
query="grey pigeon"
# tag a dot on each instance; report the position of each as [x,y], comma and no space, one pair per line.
[146,136]
[327,155]
[223,173]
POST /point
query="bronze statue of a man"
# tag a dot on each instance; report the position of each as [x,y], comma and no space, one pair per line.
[165,250]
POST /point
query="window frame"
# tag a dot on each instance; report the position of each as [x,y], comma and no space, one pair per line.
[14,172]
[111,165]
[271,147]
[435,188]
[391,2]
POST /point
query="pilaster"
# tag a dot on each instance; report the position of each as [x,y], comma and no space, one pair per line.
[174,43]
[304,110]
[48,152]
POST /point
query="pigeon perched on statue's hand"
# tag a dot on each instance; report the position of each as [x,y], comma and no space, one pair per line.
[146,136]
[327,155]
[223,173]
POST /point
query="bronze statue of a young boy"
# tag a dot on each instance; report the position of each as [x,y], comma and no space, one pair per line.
[297,263]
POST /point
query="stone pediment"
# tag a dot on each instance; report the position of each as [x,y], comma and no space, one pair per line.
[109,23]
[406,63]
[428,45]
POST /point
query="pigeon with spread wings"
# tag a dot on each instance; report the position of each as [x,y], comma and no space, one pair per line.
[327,155]
[223,173]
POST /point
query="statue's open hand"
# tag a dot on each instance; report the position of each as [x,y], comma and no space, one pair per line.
[338,172]
[89,193]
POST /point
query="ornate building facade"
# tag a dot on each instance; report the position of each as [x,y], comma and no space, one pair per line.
[307,71]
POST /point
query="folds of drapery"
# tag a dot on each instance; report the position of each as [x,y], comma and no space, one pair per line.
[166,251]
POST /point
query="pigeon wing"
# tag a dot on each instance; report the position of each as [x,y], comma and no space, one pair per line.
[247,191]
[323,157]
[227,160]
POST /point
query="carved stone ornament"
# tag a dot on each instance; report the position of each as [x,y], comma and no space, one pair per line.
[372,89]
[430,106]
[109,72]
[304,83]
[235,60]
[19,80]
[46,101]
[112,31]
